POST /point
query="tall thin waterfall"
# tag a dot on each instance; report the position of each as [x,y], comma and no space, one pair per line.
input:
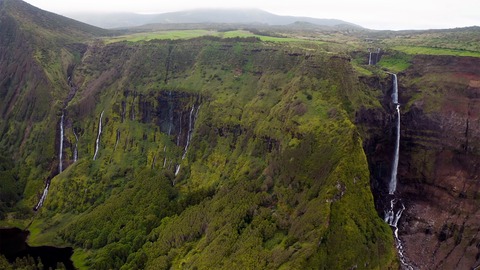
[191,120]
[170,113]
[189,133]
[75,150]
[369,57]
[393,180]
[177,169]
[165,154]
[42,199]
[69,97]
[378,54]
[60,150]
[98,136]
[394,212]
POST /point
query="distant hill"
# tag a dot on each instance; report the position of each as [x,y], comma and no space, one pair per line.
[45,23]
[239,16]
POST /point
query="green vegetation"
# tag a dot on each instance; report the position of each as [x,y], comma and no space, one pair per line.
[177,34]
[395,62]
[275,175]
[435,51]
[260,182]
[460,39]
[189,34]
[242,33]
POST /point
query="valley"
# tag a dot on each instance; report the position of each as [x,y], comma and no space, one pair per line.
[227,146]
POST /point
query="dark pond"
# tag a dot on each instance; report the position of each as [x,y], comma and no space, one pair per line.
[13,245]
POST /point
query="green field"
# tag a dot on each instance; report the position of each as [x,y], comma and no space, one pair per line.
[189,34]
[243,33]
[435,51]
[177,34]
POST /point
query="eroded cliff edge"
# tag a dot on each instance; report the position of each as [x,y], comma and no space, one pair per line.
[439,158]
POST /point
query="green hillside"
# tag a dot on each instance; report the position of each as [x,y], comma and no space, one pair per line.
[209,149]
[274,165]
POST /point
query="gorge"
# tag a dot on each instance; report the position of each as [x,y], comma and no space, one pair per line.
[270,148]
[393,212]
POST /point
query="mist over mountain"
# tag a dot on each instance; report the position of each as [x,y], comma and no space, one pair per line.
[227,16]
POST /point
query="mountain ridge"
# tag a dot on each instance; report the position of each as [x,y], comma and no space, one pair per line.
[47,23]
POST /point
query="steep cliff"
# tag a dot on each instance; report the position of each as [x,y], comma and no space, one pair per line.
[273,175]
[36,50]
[201,153]
[438,158]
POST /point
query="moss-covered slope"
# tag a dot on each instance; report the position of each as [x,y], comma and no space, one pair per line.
[212,153]
[274,175]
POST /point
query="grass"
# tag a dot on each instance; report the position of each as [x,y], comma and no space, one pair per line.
[361,70]
[189,34]
[395,62]
[243,33]
[177,34]
[435,51]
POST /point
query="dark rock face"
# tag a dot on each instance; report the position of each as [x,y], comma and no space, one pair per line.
[440,173]
[439,160]
[172,111]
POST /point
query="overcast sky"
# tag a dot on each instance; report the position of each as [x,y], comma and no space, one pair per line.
[374,14]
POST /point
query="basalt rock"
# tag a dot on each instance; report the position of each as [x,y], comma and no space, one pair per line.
[439,160]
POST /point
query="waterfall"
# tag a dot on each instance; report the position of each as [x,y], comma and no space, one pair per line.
[395,90]
[191,119]
[98,136]
[154,160]
[170,113]
[369,57]
[60,150]
[75,150]
[392,218]
[189,133]
[165,154]
[44,196]
[376,57]
[117,140]
[393,180]
[60,154]
[177,169]
[395,211]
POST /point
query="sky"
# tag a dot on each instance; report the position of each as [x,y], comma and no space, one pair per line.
[373,14]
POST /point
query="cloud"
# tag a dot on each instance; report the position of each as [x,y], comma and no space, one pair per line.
[375,14]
